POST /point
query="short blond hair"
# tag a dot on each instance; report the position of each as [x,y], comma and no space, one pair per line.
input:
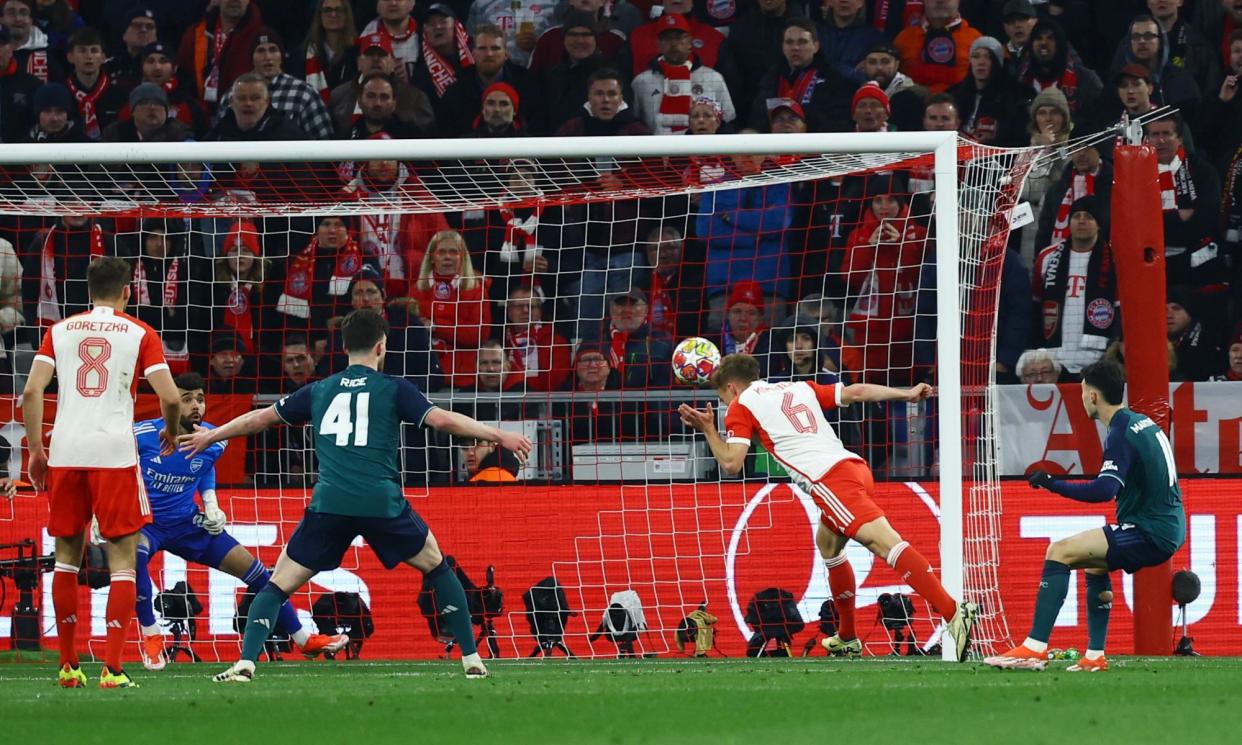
[735,368]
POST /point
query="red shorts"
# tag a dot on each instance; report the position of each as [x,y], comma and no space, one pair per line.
[116,496]
[844,496]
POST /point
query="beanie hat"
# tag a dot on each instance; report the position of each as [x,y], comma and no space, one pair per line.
[871,89]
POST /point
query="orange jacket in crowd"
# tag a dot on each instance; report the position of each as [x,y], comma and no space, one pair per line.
[936,59]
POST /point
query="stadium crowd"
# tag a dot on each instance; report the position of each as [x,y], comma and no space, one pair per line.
[819,279]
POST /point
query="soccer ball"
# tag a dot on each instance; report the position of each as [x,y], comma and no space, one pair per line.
[694,360]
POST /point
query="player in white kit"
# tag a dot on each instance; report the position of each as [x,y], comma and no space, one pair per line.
[92,468]
[788,418]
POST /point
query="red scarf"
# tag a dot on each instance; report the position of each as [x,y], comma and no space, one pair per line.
[237,314]
[170,283]
[661,314]
[211,84]
[442,73]
[295,300]
[800,89]
[676,99]
[314,73]
[410,29]
[616,352]
[519,236]
[1068,83]
[1177,189]
[523,349]
[911,14]
[87,100]
[1081,185]
[49,311]
[10,68]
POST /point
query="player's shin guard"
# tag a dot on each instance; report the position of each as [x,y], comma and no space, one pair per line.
[844,588]
[1099,606]
[261,620]
[452,607]
[144,608]
[916,571]
[65,602]
[1052,589]
[120,611]
[256,578]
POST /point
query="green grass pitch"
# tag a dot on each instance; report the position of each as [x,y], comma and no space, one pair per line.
[754,702]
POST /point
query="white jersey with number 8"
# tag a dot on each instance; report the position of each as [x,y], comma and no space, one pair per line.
[98,358]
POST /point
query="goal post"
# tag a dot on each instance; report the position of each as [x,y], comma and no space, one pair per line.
[925,310]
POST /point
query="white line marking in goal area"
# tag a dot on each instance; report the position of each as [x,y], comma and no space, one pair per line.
[922,494]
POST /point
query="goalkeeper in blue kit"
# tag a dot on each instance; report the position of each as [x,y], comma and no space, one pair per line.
[356,418]
[1139,472]
[179,527]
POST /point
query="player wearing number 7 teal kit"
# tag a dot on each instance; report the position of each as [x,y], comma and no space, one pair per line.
[356,418]
[1139,472]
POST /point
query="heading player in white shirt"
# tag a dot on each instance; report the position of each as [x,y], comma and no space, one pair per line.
[788,418]
[93,466]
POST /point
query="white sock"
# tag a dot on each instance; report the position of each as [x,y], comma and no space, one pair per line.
[471,660]
[244,665]
[1094,654]
[301,636]
[151,630]
[1035,646]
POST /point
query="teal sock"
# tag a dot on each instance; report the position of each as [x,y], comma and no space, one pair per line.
[261,620]
[451,604]
[1052,589]
[1099,606]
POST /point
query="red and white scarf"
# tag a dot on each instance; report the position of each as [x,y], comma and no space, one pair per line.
[1068,83]
[523,349]
[911,13]
[442,73]
[616,351]
[143,294]
[800,88]
[378,237]
[49,310]
[661,315]
[237,315]
[86,100]
[295,300]
[411,28]
[1081,185]
[211,84]
[315,75]
[1177,188]
[519,239]
[676,98]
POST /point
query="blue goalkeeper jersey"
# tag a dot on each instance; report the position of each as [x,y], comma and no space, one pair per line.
[172,480]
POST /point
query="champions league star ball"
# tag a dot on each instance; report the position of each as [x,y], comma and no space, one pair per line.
[694,360]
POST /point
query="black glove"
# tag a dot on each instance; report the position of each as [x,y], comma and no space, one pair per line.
[1041,480]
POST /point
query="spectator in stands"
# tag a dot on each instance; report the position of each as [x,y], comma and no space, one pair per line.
[297,99]
[521,24]
[498,115]
[1076,291]
[99,98]
[325,59]
[461,105]
[17,91]
[160,294]
[317,281]
[936,53]
[706,116]
[538,357]
[1038,366]
[1018,20]
[744,233]
[497,467]
[743,324]
[125,67]
[1233,370]
[1190,195]
[1223,105]
[491,376]
[159,68]
[674,287]
[57,19]
[703,40]
[54,271]
[1050,126]
[1134,88]
[803,75]
[906,98]
[1049,62]
[993,105]
[233,301]
[1198,346]
[846,37]
[30,43]
[754,47]
[554,45]
[12,312]
[250,115]
[639,356]
[1147,45]
[940,114]
[799,354]
[1086,175]
[512,240]
[55,116]
[471,456]
[565,81]
[411,108]
[663,92]
[445,55]
[1189,49]
[216,51]
[227,368]
[1013,315]
[870,108]
[251,118]
[297,367]
[395,24]
[452,299]
[883,260]
[149,120]
[377,102]
[592,420]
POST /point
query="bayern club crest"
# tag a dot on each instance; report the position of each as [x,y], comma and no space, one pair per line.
[941,50]
[300,283]
[238,302]
[443,291]
[349,265]
[1100,313]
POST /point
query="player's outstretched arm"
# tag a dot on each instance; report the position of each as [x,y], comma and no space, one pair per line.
[170,406]
[463,426]
[252,422]
[1100,489]
[872,392]
[37,382]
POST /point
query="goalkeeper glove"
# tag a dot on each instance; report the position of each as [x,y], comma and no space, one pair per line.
[1041,480]
[214,519]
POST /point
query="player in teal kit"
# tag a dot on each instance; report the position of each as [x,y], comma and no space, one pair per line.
[356,418]
[1139,472]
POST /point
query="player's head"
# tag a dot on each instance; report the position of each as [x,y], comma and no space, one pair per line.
[107,280]
[364,333]
[735,374]
[190,387]
[1103,384]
